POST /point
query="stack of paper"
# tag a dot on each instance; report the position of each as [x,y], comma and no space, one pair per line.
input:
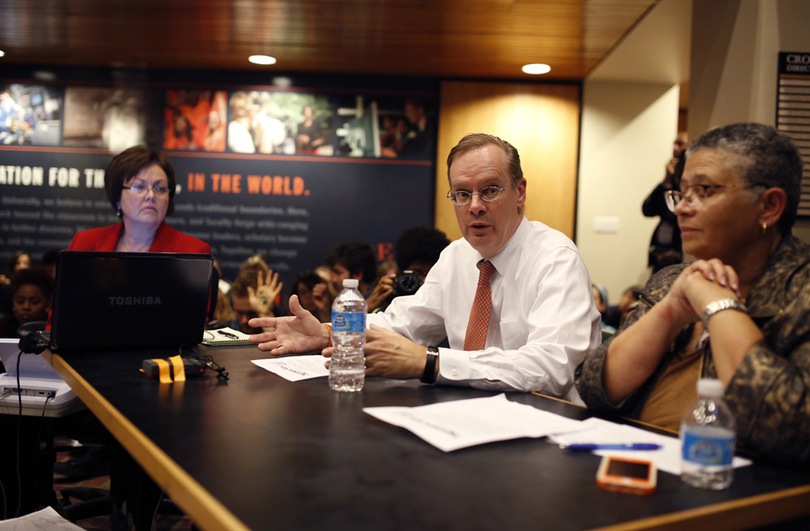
[462,423]
[453,425]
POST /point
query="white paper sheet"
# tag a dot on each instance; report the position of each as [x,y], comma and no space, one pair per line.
[599,431]
[461,423]
[295,368]
[45,520]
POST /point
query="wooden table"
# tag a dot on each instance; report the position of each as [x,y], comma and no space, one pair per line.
[259,452]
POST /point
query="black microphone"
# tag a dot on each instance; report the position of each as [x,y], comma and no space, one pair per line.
[35,342]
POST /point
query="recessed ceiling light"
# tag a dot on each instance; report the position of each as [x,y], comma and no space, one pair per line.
[536,69]
[2,53]
[44,75]
[262,60]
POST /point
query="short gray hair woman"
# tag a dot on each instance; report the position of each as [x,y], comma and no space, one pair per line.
[740,313]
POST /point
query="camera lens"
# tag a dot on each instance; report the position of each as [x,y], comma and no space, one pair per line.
[407,283]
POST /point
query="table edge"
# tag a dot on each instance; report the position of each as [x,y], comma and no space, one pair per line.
[206,511]
[742,513]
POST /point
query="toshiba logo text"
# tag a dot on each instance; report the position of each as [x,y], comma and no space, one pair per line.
[134,301]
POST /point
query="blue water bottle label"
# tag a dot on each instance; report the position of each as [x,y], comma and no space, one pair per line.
[348,322]
[706,450]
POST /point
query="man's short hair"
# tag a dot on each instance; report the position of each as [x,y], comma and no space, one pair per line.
[479,140]
[356,257]
[248,277]
[419,245]
[310,279]
[765,156]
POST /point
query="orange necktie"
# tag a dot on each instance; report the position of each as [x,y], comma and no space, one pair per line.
[477,326]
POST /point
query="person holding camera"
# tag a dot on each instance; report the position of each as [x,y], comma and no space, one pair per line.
[512,297]
[416,250]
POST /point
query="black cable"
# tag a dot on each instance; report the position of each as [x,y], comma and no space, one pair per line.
[190,347]
[154,516]
[5,501]
[39,449]
[19,430]
[207,360]
[42,417]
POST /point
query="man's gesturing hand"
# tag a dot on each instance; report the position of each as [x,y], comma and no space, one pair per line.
[296,334]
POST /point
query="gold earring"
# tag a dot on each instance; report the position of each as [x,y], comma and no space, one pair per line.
[764,227]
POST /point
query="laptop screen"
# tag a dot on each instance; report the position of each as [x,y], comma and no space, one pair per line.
[129,301]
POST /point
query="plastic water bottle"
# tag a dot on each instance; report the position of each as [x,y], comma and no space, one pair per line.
[347,370]
[707,435]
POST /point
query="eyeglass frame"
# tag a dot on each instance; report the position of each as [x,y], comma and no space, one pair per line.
[669,195]
[451,195]
[147,188]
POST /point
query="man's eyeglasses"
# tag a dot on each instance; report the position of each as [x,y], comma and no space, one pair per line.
[159,190]
[462,197]
[697,194]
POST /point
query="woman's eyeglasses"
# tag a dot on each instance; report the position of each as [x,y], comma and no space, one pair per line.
[697,194]
[159,190]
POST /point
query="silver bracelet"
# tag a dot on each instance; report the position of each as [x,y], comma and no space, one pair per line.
[720,305]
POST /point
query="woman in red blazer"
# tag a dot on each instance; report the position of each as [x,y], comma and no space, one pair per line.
[140,185]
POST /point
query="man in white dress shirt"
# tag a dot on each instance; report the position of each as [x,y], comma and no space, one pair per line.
[542,321]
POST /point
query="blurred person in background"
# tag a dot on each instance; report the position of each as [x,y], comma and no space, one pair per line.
[254,293]
[665,245]
[313,293]
[33,291]
[18,260]
[417,249]
[354,260]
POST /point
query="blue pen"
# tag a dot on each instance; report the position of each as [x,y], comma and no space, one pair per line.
[590,447]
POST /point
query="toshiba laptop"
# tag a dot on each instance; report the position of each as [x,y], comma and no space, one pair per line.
[129,301]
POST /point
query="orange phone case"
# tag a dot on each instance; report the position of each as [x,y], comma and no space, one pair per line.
[626,484]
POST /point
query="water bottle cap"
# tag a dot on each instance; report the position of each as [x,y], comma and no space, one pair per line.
[351,283]
[710,387]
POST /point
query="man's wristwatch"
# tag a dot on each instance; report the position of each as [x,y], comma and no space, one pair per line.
[429,376]
[720,305]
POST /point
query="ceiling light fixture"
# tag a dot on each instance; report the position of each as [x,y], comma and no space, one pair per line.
[44,75]
[262,60]
[536,69]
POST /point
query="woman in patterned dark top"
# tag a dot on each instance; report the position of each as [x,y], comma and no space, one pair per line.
[740,313]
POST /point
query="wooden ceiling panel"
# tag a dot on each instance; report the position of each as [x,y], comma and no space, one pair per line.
[443,38]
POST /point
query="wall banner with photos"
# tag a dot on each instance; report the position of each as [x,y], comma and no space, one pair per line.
[273,169]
